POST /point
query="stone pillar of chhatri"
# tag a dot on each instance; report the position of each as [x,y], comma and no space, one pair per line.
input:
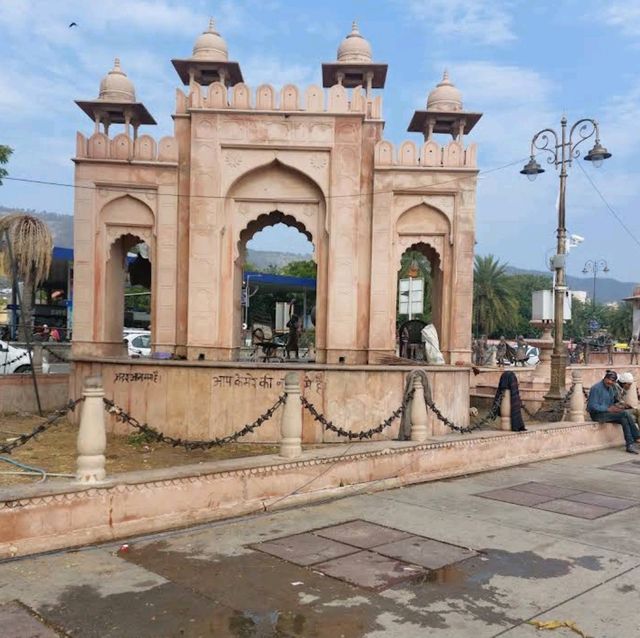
[242,158]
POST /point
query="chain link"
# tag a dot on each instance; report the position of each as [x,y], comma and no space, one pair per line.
[493,413]
[363,434]
[157,436]
[40,428]
[556,411]
[55,354]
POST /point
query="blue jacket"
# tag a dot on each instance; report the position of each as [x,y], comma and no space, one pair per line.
[601,398]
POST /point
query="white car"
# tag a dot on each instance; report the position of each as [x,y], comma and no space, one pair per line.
[138,343]
[16,360]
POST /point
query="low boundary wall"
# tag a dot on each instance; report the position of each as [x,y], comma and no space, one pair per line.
[17,393]
[55,516]
[205,399]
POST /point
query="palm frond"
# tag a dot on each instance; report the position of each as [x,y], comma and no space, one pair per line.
[31,244]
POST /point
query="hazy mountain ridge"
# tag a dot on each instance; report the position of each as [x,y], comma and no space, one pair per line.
[607,289]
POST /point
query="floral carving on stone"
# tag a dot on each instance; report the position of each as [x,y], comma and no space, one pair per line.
[318,161]
[233,160]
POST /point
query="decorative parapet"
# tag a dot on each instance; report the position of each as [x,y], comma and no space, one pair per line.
[289,99]
[122,147]
[432,154]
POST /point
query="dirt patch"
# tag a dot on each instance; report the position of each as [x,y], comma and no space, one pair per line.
[55,451]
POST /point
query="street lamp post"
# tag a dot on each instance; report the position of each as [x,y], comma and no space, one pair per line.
[562,150]
[595,266]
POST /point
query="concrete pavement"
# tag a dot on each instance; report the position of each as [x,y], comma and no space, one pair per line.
[556,540]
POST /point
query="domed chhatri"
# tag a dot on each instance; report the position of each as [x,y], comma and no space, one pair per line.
[445,97]
[209,61]
[354,48]
[444,113]
[210,45]
[116,86]
[354,65]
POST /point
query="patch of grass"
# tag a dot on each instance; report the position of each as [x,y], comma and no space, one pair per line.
[140,438]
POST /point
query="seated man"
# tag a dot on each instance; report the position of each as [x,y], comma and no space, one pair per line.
[602,407]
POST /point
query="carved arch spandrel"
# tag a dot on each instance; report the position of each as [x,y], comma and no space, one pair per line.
[424,217]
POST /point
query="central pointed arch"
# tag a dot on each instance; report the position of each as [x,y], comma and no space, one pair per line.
[272,194]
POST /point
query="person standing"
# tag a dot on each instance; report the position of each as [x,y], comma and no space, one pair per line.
[603,408]
[292,340]
[634,346]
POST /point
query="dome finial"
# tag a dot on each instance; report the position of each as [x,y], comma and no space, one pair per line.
[210,45]
[445,77]
[445,97]
[212,26]
[116,86]
[354,49]
[116,64]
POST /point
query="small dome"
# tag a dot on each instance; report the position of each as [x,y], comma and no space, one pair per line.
[445,97]
[116,86]
[354,48]
[210,45]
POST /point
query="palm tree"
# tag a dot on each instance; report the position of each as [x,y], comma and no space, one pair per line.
[27,255]
[493,301]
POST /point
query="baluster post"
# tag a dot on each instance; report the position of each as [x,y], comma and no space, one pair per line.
[92,436]
[291,424]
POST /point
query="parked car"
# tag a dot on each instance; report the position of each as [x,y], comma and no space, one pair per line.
[16,360]
[138,343]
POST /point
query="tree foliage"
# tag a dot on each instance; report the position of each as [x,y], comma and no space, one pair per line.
[5,153]
[494,303]
[306,268]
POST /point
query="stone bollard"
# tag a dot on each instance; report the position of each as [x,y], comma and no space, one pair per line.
[576,411]
[92,436]
[418,414]
[36,357]
[505,411]
[291,426]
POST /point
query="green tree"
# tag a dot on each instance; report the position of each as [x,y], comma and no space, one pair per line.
[5,153]
[305,268]
[494,303]
[619,321]
[522,286]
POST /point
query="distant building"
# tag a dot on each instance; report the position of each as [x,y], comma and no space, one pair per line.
[579,295]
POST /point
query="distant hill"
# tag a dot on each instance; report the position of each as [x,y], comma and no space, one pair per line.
[61,225]
[607,289]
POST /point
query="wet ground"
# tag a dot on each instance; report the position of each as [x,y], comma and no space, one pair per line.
[480,556]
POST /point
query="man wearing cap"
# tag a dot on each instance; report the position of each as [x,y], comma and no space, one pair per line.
[628,394]
[602,407]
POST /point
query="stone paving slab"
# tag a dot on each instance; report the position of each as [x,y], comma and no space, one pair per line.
[571,508]
[515,497]
[362,534]
[369,570]
[631,467]
[425,552]
[544,489]
[305,549]
[603,500]
[205,581]
[17,622]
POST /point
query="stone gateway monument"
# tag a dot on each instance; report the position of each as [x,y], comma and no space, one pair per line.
[242,159]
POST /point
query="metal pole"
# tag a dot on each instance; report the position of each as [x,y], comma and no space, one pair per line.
[595,273]
[558,357]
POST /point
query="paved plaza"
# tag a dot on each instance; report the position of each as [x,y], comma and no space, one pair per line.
[479,556]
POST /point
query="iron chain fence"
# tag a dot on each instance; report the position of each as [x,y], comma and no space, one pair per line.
[158,436]
[19,441]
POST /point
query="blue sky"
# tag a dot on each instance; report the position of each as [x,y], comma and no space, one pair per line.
[523,64]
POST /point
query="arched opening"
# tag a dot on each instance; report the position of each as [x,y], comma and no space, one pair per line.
[274,200]
[128,295]
[278,297]
[419,297]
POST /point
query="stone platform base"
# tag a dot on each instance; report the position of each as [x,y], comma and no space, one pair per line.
[61,515]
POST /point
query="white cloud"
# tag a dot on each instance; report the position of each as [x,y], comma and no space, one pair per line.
[486,22]
[623,15]
[271,70]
